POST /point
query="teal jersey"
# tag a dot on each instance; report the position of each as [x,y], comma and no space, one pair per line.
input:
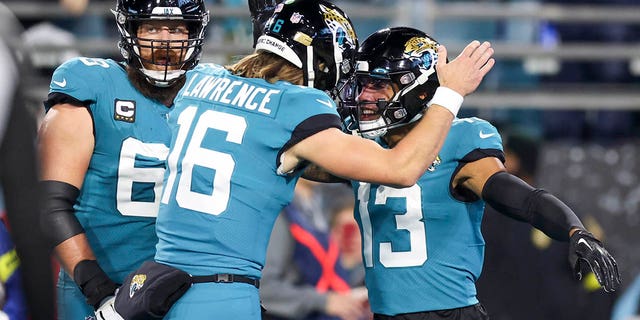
[223,189]
[422,245]
[120,195]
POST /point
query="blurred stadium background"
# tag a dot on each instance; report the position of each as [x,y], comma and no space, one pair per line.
[565,94]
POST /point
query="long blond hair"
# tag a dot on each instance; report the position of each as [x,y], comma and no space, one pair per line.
[268,66]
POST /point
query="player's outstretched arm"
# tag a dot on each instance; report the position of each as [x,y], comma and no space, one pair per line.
[585,248]
[513,197]
[354,158]
[66,144]
[457,78]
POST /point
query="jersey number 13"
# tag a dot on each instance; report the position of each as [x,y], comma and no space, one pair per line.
[411,221]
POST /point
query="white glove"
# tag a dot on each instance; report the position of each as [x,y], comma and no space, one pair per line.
[107,310]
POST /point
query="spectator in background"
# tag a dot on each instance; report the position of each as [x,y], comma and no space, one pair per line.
[306,275]
[18,175]
[78,19]
[54,38]
[59,30]
[601,125]
[345,231]
[75,7]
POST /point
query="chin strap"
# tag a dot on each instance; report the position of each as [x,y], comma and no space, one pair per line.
[169,76]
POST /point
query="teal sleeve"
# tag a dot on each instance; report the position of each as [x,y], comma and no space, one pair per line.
[474,134]
[79,78]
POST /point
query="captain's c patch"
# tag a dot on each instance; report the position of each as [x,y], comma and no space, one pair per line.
[124,110]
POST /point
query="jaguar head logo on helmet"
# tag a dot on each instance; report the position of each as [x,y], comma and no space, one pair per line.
[315,36]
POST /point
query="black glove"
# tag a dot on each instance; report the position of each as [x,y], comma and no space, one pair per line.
[584,247]
[93,282]
[261,11]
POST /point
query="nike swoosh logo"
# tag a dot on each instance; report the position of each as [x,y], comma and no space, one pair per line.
[583,241]
[326,103]
[486,135]
[61,84]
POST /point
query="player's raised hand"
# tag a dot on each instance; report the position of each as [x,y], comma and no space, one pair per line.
[466,71]
[585,248]
[261,11]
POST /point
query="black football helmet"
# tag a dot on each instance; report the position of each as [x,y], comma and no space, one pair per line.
[130,14]
[314,35]
[404,57]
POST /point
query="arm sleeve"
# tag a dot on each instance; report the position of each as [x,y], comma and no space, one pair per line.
[279,291]
[515,198]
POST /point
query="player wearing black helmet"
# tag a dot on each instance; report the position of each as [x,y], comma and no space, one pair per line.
[103,144]
[290,34]
[400,56]
[422,244]
[161,61]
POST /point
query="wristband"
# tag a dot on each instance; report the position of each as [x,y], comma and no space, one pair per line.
[448,99]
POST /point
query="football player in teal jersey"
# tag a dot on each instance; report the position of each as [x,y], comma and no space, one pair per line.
[104,142]
[422,245]
[241,136]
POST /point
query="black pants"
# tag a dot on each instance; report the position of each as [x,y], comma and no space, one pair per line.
[474,312]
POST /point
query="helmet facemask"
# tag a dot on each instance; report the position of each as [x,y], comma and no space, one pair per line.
[168,58]
[402,58]
[372,119]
